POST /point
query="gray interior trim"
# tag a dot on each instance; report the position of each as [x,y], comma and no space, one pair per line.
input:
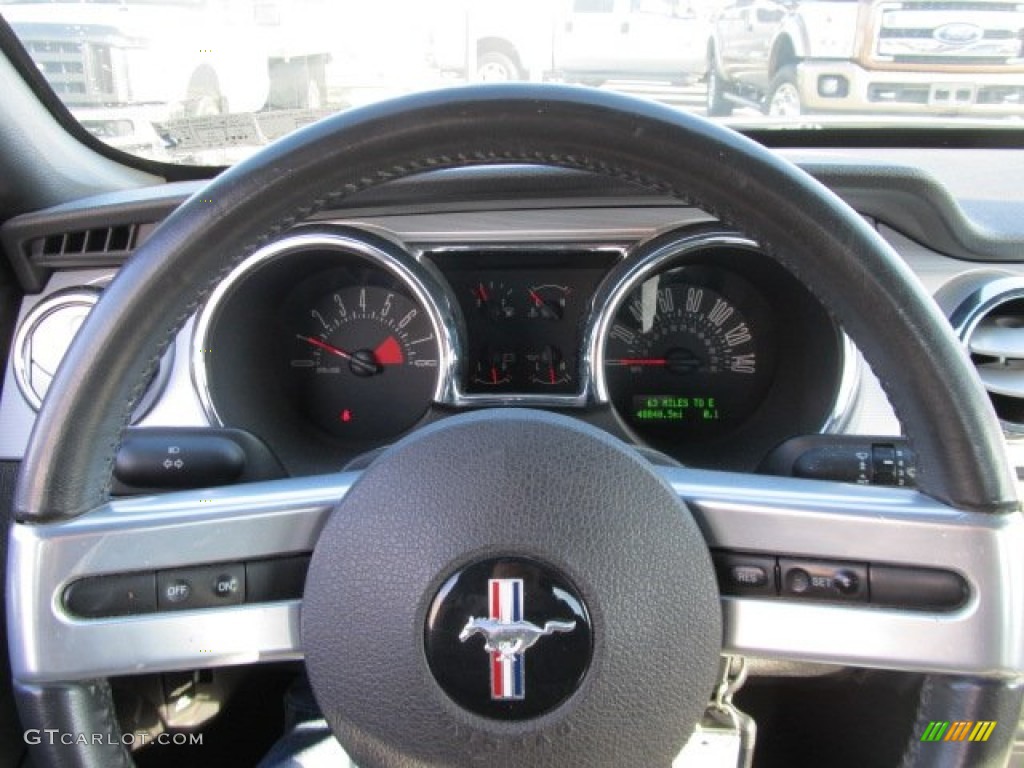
[735,511]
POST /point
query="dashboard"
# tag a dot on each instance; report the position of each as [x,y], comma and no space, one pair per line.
[525,288]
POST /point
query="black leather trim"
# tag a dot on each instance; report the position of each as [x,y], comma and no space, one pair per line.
[959,699]
[68,711]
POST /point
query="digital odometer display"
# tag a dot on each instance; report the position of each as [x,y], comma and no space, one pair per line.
[689,355]
[661,408]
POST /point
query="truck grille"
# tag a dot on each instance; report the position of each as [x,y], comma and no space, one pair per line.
[948,34]
[80,73]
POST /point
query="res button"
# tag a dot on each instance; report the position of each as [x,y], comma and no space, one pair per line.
[740,574]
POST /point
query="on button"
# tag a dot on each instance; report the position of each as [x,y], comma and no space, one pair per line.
[226,585]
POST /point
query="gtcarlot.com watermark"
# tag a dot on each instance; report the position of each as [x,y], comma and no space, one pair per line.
[53,736]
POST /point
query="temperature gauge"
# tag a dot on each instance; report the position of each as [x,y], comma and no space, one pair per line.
[546,302]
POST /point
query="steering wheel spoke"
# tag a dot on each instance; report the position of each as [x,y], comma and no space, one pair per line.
[154,541]
[874,531]
[766,517]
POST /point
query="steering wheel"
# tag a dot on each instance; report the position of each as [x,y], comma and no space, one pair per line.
[626,543]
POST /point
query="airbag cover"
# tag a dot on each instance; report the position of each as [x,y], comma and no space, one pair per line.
[512,484]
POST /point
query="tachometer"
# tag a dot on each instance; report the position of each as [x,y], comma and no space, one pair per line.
[326,343]
[689,355]
[366,360]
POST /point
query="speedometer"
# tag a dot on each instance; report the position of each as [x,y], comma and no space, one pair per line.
[689,355]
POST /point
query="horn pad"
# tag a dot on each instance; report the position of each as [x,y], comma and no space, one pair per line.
[415,575]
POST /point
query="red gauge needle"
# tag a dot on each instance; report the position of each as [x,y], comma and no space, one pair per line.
[482,292]
[366,365]
[494,375]
[325,346]
[551,373]
[536,299]
[652,361]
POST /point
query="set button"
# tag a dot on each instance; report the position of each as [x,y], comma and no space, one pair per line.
[845,582]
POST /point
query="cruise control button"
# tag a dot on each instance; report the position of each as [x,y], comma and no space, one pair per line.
[208,586]
[846,581]
[820,580]
[797,581]
[227,586]
[173,592]
[740,574]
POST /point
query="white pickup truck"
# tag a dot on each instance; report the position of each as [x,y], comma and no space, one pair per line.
[942,57]
[194,57]
[590,41]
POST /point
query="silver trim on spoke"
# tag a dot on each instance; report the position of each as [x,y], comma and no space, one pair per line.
[235,524]
[876,525]
[749,513]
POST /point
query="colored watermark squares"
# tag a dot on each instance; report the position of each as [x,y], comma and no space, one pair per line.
[958,730]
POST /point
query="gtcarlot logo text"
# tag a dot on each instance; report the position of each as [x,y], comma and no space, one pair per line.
[52,736]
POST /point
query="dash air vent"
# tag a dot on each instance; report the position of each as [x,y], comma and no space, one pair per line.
[987,313]
[997,349]
[106,245]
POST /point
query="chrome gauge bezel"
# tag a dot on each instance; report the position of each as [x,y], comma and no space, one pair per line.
[584,396]
[397,262]
[632,272]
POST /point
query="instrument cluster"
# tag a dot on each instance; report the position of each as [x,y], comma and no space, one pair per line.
[334,341]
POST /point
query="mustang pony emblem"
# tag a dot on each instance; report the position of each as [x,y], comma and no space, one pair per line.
[507,637]
[508,640]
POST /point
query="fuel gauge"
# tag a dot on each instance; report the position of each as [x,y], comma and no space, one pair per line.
[494,368]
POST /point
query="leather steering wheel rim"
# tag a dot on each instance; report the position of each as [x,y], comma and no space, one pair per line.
[67,467]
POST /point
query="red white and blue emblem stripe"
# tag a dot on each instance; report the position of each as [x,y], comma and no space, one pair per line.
[507,673]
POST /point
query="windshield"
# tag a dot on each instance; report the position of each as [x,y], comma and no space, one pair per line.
[210,81]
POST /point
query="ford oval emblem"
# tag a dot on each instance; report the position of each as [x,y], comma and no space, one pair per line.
[958,33]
